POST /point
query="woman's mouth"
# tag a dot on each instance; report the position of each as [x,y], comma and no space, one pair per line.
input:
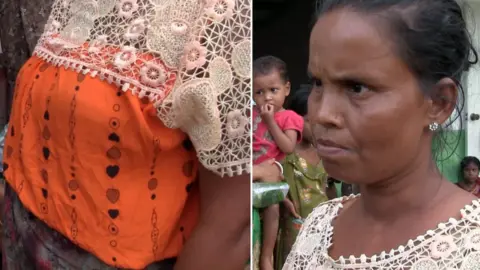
[327,148]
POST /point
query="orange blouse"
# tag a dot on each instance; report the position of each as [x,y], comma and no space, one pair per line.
[97,165]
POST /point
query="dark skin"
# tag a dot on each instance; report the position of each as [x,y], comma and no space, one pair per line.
[221,240]
[367,102]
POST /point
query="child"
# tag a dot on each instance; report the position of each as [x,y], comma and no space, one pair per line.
[471,181]
[276,131]
[304,173]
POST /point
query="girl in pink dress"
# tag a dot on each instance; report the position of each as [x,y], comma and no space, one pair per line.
[276,131]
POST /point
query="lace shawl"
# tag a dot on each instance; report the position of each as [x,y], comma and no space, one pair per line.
[191,58]
[454,245]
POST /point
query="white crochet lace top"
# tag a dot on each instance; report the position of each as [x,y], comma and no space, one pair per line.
[452,245]
[191,58]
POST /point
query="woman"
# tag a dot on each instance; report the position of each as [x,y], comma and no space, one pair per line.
[304,173]
[385,78]
[128,143]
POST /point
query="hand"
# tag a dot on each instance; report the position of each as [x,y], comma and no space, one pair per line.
[291,208]
[267,113]
[267,171]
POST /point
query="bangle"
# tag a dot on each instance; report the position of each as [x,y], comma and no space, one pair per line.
[279,166]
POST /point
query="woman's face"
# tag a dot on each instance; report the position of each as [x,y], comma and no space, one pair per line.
[367,112]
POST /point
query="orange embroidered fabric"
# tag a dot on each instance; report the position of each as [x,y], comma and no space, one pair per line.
[97,165]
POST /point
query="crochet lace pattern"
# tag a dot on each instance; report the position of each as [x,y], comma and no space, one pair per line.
[452,245]
[191,58]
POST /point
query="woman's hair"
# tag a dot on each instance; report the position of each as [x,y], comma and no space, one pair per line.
[430,36]
[265,65]
[467,161]
[299,100]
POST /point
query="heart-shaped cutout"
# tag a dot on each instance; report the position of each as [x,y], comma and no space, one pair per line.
[113,195]
[46,133]
[114,137]
[44,175]
[114,153]
[112,171]
[46,153]
[46,115]
[44,193]
[113,213]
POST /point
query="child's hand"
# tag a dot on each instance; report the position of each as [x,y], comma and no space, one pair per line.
[267,113]
[291,208]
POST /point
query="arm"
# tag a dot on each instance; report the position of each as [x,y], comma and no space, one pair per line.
[221,240]
[257,173]
[286,141]
[267,171]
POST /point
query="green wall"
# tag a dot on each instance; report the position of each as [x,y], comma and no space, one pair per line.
[449,158]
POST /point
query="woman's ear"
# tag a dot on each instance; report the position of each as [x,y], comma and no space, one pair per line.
[443,101]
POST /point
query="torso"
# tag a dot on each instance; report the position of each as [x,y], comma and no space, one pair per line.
[264,146]
[75,162]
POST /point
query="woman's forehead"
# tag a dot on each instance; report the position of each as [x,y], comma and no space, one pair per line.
[345,42]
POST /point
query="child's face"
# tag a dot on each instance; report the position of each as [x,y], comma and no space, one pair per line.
[270,89]
[470,173]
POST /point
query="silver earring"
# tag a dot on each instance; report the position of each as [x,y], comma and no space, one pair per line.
[433,126]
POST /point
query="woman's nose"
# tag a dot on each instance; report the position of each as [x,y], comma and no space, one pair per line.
[327,111]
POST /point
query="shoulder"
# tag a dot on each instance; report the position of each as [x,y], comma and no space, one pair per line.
[326,211]
[314,237]
[288,114]
[289,119]
[320,218]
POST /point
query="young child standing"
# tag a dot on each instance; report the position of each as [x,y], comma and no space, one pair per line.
[276,132]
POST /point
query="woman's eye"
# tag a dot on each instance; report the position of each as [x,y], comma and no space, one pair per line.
[316,82]
[357,88]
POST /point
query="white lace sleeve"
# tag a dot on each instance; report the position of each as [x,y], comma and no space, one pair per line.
[211,99]
[191,58]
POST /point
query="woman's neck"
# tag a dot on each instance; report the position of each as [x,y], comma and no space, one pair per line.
[413,191]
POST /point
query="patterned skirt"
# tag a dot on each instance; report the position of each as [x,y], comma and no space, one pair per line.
[28,243]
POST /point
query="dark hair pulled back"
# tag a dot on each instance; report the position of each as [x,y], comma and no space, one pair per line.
[431,37]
